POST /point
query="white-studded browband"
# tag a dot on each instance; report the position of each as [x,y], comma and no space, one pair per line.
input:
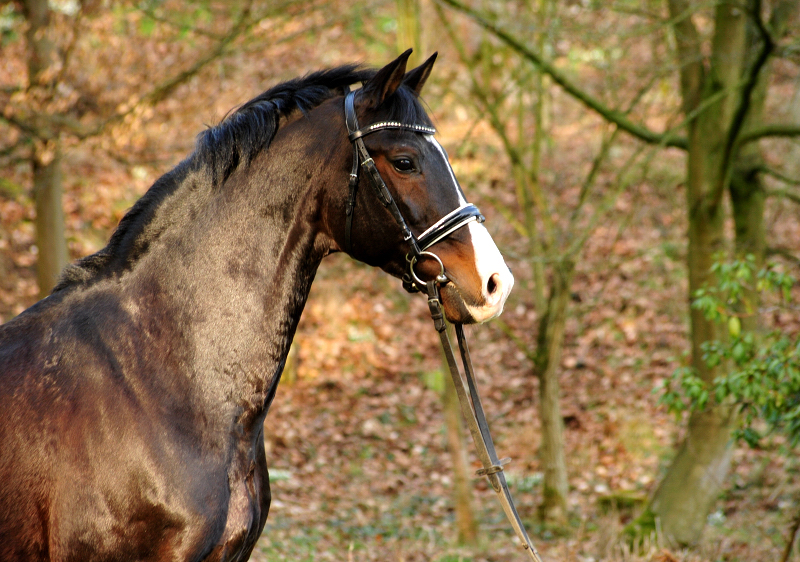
[390,125]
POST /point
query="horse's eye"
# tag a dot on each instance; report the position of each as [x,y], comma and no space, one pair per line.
[403,165]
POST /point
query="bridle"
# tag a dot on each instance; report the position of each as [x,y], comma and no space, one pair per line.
[466,388]
[418,246]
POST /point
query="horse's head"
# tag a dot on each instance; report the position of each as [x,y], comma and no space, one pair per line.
[398,136]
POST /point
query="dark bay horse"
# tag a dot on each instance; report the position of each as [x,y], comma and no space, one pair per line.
[133,398]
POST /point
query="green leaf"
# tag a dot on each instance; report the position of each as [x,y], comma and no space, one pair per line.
[734,326]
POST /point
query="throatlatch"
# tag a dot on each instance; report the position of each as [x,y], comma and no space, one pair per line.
[465,385]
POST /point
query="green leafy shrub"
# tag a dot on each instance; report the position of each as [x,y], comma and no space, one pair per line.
[760,366]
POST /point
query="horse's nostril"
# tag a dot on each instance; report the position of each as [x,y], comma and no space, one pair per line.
[493,284]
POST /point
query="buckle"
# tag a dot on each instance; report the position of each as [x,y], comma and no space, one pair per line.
[494,469]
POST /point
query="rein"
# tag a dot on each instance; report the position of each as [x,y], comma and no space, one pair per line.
[466,387]
[472,410]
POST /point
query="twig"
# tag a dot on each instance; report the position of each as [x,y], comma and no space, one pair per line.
[784,253]
[785,194]
[615,116]
[49,126]
[787,552]
[70,48]
[777,175]
[769,130]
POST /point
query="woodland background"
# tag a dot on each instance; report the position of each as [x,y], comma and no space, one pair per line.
[578,128]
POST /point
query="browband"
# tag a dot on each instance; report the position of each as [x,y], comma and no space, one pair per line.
[390,125]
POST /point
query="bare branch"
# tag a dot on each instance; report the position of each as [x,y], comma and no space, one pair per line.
[23,126]
[612,115]
[49,126]
[11,149]
[598,161]
[688,43]
[490,109]
[778,175]
[769,130]
[150,13]
[785,194]
[70,48]
[785,254]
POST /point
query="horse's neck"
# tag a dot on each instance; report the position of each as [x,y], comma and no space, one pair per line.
[232,283]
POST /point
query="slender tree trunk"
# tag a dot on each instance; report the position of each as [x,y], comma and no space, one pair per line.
[548,363]
[695,478]
[462,487]
[553,310]
[50,241]
[409,29]
[747,190]
[46,159]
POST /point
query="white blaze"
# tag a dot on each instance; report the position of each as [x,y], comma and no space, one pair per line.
[488,260]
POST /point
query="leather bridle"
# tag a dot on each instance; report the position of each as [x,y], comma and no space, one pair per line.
[418,246]
[466,387]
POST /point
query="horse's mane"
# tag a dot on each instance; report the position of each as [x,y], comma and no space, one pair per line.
[219,151]
[250,129]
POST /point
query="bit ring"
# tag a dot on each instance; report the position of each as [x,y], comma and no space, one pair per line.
[441,279]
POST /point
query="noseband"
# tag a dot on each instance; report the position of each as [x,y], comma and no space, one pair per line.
[466,388]
[418,246]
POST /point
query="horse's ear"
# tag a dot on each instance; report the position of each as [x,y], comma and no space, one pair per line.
[386,81]
[415,79]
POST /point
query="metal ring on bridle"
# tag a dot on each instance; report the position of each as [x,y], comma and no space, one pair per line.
[441,278]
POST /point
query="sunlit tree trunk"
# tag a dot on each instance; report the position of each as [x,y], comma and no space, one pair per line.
[46,157]
[409,29]
[547,367]
[50,241]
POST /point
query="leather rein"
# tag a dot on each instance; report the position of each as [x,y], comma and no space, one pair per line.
[465,385]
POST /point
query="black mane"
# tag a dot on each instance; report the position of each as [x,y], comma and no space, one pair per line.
[219,151]
[250,128]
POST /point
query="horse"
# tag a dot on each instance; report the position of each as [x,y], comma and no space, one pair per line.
[134,396]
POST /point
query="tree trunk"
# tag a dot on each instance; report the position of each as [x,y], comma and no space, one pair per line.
[694,480]
[548,362]
[689,490]
[462,488]
[50,240]
[409,29]
[46,160]
[747,190]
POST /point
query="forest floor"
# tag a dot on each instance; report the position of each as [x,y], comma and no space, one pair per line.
[355,443]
